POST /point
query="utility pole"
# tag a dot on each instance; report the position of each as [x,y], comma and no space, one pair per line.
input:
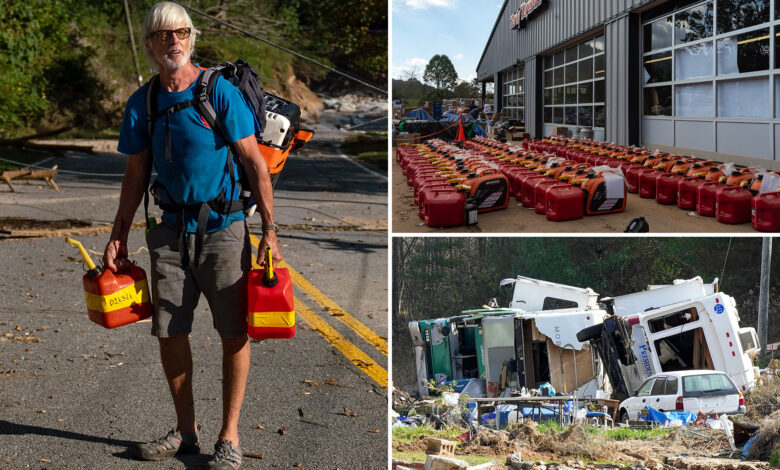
[132,44]
[763,296]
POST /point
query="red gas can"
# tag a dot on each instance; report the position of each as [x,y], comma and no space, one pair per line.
[444,208]
[666,188]
[540,191]
[529,197]
[564,202]
[765,213]
[270,307]
[732,205]
[705,198]
[114,299]
[647,184]
[632,176]
[686,192]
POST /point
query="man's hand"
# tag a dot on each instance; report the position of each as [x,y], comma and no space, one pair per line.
[115,255]
[269,239]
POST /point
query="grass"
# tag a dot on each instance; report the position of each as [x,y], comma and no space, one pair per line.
[368,147]
[23,156]
[408,434]
[615,434]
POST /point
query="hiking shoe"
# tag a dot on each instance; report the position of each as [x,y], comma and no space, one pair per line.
[226,457]
[171,444]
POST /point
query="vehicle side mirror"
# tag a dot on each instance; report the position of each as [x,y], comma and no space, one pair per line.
[636,393]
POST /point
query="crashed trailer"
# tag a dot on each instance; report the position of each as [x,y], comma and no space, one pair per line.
[684,326]
[531,343]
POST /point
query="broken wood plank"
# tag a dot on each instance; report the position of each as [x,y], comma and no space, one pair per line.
[45,175]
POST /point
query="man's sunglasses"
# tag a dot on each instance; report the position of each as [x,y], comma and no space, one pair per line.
[164,35]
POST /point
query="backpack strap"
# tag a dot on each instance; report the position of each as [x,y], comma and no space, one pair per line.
[151,104]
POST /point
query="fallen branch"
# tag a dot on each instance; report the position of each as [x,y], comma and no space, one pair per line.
[40,135]
[46,175]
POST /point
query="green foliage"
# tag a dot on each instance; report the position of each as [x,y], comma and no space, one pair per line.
[408,434]
[69,61]
[438,95]
[623,434]
[411,91]
[30,38]
[351,34]
[774,460]
[441,72]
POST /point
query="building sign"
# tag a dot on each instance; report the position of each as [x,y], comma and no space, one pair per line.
[527,8]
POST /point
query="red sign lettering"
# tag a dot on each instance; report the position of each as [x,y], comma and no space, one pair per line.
[518,18]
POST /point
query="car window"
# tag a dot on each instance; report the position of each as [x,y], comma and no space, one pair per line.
[644,390]
[671,386]
[659,386]
[709,384]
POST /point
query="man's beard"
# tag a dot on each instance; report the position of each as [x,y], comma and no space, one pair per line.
[173,65]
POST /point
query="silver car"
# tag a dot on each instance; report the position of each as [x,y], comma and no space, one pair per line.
[690,390]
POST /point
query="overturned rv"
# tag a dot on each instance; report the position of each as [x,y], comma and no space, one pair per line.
[562,335]
[683,326]
[532,342]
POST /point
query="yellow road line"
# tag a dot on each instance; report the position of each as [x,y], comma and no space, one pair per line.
[330,306]
[357,357]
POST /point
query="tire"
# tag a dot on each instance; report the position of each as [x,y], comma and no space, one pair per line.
[589,333]
[623,417]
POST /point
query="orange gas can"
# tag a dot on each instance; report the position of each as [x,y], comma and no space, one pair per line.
[270,307]
[114,299]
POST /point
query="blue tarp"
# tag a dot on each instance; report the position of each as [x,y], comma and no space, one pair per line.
[661,417]
[420,115]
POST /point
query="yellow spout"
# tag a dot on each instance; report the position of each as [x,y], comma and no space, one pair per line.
[84,254]
[269,262]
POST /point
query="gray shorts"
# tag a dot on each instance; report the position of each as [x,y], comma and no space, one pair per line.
[225,260]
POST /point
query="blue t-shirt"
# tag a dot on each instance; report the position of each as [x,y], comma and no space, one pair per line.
[197,171]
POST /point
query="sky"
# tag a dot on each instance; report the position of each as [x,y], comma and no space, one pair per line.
[457,28]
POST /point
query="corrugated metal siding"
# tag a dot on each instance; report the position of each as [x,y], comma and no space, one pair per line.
[532,96]
[617,58]
[561,21]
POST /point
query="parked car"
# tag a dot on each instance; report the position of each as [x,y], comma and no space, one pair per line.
[691,390]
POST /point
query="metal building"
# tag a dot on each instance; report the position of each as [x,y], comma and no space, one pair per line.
[694,77]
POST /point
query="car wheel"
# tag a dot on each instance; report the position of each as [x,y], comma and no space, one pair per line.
[589,333]
[623,417]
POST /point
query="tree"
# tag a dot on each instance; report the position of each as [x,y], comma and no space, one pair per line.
[466,89]
[441,72]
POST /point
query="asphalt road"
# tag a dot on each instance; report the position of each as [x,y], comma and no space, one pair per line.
[75,395]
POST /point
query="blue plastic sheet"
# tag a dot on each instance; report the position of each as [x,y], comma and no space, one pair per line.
[420,114]
[746,447]
[664,417]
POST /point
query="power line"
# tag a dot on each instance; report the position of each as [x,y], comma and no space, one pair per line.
[296,54]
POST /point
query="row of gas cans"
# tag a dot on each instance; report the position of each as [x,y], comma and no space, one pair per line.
[723,191]
[560,189]
[451,185]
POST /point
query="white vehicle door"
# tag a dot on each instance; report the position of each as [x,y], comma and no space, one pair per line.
[636,404]
[657,394]
[669,399]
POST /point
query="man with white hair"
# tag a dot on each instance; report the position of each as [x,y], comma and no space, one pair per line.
[193,164]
